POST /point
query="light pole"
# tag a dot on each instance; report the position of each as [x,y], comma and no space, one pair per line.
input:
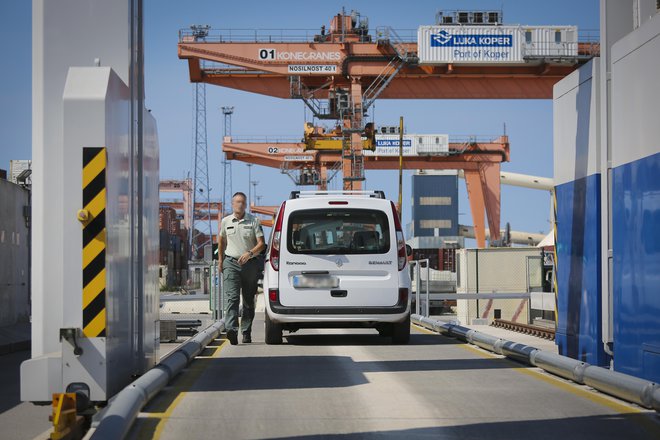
[249,165]
[254,184]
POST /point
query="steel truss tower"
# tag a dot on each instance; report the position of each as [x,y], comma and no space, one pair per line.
[201,232]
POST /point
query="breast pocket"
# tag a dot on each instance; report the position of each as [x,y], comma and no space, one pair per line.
[247,232]
[231,230]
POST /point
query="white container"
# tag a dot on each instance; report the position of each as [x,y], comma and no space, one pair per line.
[388,145]
[550,42]
[495,44]
[499,270]
[496,271]
[469,44]
[413,145]
[431,144]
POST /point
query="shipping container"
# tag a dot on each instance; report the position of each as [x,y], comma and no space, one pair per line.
[549,42]
[495,44]
[500,271]
[413,145]
[431,144]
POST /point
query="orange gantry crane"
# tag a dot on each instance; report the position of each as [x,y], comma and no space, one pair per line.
[480,161]
[340,73]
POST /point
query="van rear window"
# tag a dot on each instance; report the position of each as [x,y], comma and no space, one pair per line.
[338,231]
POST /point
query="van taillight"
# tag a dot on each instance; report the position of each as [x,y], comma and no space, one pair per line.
[277,235]
[273,295]
[403,295]
[400,239]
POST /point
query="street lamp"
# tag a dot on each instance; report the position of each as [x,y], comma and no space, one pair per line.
[254,184]
[249,165]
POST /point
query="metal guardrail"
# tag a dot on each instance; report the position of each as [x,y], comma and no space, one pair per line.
[302,35]
[264,35]
[116,419]
[622,386]
[267,139]
[418,287]
[457,296]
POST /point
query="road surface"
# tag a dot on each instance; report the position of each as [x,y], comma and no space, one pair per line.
[354,384]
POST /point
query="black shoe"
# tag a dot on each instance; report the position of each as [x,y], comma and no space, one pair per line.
[232,335]
[247,338]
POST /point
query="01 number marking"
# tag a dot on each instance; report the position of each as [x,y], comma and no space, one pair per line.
[267,54]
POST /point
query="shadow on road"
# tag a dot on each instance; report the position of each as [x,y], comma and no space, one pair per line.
[363,339]
[622,426]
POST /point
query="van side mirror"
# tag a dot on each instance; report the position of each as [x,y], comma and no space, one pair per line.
[409,250]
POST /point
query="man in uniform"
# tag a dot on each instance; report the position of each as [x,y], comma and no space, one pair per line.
[241,240]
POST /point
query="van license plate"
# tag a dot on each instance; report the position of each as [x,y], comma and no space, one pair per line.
[303,281]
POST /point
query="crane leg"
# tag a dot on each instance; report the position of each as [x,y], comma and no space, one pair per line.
[490,182]
[476,197]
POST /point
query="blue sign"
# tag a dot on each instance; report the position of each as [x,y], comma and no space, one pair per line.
[445,39]
[392,142]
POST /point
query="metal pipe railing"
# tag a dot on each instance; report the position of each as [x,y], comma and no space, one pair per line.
[623,386]
[418,285]
[115,421]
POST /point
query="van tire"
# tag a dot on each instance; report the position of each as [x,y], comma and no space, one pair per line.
[273,331]
[401,331]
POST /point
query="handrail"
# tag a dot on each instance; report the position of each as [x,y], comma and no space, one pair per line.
[274,35]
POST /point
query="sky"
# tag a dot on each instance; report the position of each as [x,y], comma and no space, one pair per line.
[169,93]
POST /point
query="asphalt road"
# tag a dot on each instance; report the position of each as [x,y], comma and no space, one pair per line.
[355,384]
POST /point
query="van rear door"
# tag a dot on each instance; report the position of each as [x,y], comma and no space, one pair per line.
[339,256]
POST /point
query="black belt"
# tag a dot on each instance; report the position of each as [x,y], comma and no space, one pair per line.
[236,259]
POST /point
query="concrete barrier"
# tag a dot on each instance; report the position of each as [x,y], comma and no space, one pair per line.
[115,421]
[622,386]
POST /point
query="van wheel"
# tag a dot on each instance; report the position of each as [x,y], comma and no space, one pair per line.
[273,331]
[401,331]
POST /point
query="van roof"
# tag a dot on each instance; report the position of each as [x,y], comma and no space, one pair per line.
[325,201]
[377,194]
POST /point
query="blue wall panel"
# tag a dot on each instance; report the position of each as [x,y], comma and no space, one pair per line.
[579,270]
[636,267]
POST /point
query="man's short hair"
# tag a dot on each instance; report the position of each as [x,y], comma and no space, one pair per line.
[239,193]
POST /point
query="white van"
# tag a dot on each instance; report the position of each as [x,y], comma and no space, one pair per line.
[336,259]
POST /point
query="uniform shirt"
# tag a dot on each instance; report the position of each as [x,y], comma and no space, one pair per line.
[240,235]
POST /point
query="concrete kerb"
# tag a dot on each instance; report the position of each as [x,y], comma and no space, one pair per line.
[116,419]
[622,386]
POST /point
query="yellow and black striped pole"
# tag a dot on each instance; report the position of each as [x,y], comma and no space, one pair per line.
[92,217]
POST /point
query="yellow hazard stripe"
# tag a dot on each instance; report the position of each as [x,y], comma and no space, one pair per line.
[97,204]
[93,248]
[93,167]
[94,241]
[96,327]
[93,288]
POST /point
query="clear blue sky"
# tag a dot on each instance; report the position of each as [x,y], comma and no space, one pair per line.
[169,96]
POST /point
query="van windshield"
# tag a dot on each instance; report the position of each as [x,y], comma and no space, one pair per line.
[338,231]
